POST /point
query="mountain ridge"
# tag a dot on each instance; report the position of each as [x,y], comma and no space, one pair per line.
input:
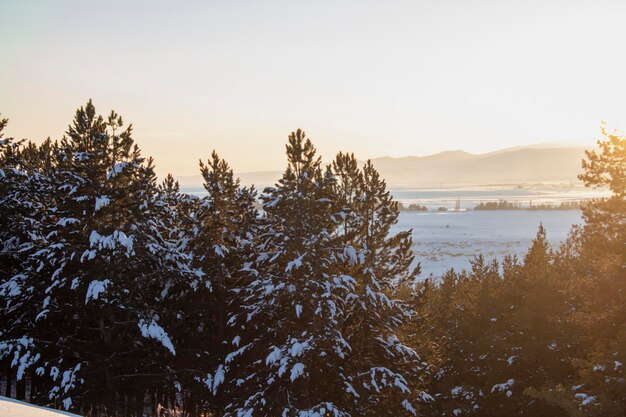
[519,165]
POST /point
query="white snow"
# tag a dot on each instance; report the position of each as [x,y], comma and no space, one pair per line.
[88,255]
[117,168]
[503,387]
[102,201]
[350,390]
[218,378]
[96,288]
[154,331]
[296,263]
[220,250]
[297,348]
[118,237]
[67,220]
[408,407]
[14,408]
[67,403]
[274,356]
[296,371]
[75,283]
[229,358]
[350,253]
[426,397]
[585,399]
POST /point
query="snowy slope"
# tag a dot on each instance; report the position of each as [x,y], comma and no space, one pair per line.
[13,408]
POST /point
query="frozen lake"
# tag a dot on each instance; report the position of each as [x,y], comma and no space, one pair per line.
[448,240]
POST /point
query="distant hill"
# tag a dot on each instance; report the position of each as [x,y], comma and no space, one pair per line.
[526,165]
[520,165]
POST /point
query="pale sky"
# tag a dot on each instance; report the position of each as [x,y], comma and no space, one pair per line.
[387,78]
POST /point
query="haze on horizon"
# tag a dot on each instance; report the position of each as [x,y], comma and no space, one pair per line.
[393,79]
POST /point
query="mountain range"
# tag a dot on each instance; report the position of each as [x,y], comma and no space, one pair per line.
[543,163]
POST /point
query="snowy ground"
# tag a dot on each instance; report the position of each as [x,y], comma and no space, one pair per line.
[448,240]
[13,408]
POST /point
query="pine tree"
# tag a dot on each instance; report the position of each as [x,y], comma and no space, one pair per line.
[26,179]
[592,265]
[380,369]
[291,345]
[221,239]
[95,281]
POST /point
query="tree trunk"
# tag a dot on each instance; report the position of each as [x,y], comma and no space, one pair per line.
[139,404]
[20,389]
[9,374]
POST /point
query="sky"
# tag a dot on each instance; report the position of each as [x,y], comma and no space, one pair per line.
[387,78]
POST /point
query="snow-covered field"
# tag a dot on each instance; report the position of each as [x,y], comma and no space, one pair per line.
[451,239]
[13,408]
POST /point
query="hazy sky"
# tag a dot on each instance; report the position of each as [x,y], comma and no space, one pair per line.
[377,78]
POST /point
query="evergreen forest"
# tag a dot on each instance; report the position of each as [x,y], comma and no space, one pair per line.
[121,295]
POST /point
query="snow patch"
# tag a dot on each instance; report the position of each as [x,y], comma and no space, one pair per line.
[296,371]
[67,220]
[585,399]
[408,407]
[274,356]
[96,288]
[503,387]
[96,240]
[154,331]
[117,168]
[102,201]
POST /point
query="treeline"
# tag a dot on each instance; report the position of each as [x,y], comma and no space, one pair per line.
[516,205]
[412,207]
[121,296]
[503,205]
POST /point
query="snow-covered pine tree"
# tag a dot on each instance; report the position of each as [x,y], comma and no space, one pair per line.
[12,191]
[290,345]
[14,239]
[96,280]
[380,373]
[173,227]
[26,178]
[221,240]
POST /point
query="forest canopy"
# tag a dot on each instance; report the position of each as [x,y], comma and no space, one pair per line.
[123,296]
